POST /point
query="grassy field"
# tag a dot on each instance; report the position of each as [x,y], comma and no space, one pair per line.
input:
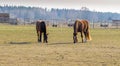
[19,47]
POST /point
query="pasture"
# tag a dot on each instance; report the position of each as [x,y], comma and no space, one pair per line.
[19,47]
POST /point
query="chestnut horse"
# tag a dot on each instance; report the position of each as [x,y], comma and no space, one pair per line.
[41,28]
[81,26]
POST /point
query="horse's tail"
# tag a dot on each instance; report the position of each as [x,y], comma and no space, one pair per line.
[88,33]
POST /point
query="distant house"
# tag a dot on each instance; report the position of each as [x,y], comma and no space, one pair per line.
[115,22]
[13,21]
[4,17]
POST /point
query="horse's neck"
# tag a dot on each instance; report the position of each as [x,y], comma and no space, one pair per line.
[76,26]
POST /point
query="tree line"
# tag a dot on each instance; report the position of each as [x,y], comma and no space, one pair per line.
[35,13]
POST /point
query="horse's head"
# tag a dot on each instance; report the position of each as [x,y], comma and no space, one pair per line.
[75,37]
[46,38]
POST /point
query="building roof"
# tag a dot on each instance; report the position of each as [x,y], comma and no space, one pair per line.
[4,14]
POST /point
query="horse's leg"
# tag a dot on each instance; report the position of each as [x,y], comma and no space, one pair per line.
[81,36]
[75,37]
[85,33]
[40,37]
[45,37]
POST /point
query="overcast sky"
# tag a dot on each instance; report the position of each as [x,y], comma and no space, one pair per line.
[97,5]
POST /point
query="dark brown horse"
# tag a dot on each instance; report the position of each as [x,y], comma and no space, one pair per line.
[41,28]
[81,26]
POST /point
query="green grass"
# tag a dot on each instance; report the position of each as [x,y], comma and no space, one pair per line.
[10,33]
[19,47]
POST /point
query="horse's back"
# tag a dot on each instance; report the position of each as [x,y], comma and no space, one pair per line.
[41,26]
[82,22]
[81,25]
[85,24]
